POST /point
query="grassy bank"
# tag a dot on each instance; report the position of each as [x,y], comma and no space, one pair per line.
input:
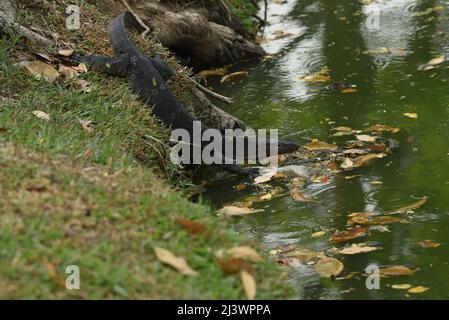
[91,186]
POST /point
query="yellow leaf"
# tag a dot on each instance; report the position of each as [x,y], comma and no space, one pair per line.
[236,211]
[243,252]
[328,267]
[178,263]
[429,244]
[318,234]
[249,284]
[418,289]
[410,207]
[349,90]
[365,138]
[411,115]
[319,145]
[404,286]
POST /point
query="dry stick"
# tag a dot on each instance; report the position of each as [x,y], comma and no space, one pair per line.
[8,24]
[147,29]
[209,92]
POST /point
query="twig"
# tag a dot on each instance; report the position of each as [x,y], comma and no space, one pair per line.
[147,29]
[8,24]
[209,92]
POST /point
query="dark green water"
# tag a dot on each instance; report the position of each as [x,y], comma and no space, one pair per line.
[332,33]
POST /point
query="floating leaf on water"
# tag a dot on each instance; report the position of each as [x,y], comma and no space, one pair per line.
[401,286]
[318,77]
[349,234]
[381,128]
[298,255]
[41,115]
[319,145]
[375,220]
[233,76]
[355,249]
[411,115]
[388,271]
[418,289]
[237,211]
[363,160]
[429,244]
[297,195]
[211,73]
[40,69]
[342,129]
[380,50]
[349,90]
[318,234]
[249,284]
[365,138]
[178,263]
[410,207]
[379,228]
[267,174]
[347,164]
[433,63]
[328,267]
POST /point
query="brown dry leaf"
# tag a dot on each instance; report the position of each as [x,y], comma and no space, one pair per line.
[418,289]
[369,219]
[355,248]
[328,267]
[86,125]
[297,195]
[233,76]
[249,284]
[237,211]
[41,115]
[347,164]
[381,128]
[404,286]
[67,72]
[178,263]
[319,145]
[82,85]
[342,129]
[432,63]
[301,255]
[410,207]
[40,69]
[396,271]
[244,252]
[429,244]
[191,227]
[349,234]
[81,68]
[364,160]
[211,73]
[318,77]
[232,265]
[66,52]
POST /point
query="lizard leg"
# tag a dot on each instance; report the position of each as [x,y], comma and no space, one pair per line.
[117,66]
[164,69]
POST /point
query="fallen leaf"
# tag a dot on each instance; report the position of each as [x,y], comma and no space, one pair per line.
[244,252]
[401,286]
[40,69]
[318,77]
[67,72]
[41,115]
[410,207]
[433,63]
[347,164]
[299,255]
[319,145]
[379,228]
[365,138]
[349,90]
[233,75]
[388,271]
[82,85]
[66,52]
[411,115]
[297,195]
[381,128]
[237,211]
[429,244]
[370,219]
[232,265]
[212,73]
[81,68]
[249,284]
[85,124]
[318,234]
[267,174]
[418,289]
[178,263]
[328,267]
[355,249]
[349,234]
[364,160]
[191,227]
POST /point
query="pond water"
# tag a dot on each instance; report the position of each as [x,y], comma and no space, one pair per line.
[340,35]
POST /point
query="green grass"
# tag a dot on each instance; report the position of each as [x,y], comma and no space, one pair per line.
[100,200]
